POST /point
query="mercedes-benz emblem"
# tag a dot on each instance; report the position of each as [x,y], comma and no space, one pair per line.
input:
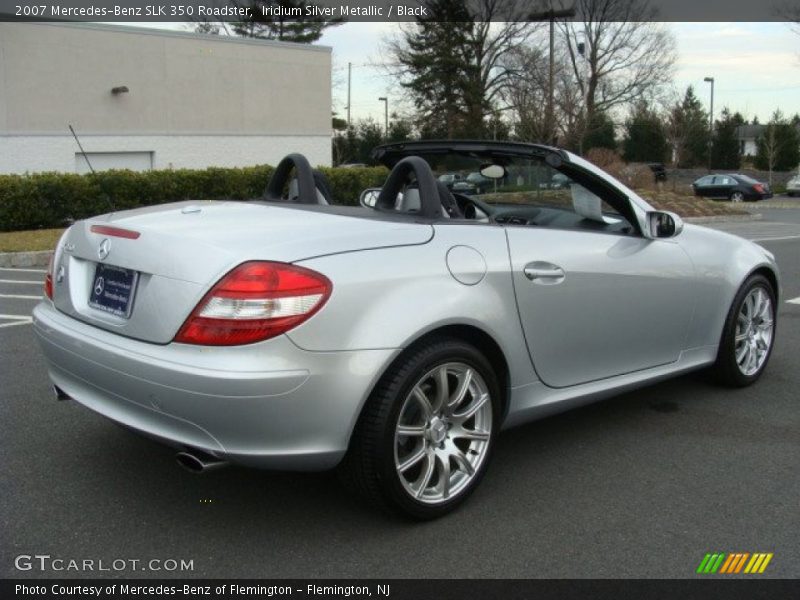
[99,286]
[104,249]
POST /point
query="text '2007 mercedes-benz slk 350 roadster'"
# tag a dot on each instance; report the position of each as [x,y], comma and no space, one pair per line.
[394,339]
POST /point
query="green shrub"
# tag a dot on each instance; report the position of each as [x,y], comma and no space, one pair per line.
[45,200]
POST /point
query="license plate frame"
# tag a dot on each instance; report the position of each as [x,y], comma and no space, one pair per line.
[113,290]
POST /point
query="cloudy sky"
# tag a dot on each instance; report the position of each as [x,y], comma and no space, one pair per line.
[756,66]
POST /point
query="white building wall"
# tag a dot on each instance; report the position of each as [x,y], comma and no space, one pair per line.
[39,153]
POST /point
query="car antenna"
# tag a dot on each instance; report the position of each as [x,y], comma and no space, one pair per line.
[106,197]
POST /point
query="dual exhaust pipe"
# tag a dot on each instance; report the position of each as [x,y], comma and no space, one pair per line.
[199,462]
[194,461]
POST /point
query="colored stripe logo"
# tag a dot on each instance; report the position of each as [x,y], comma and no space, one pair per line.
[734,562]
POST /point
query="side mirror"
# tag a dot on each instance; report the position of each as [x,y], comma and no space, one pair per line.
[369,197]
[663,224]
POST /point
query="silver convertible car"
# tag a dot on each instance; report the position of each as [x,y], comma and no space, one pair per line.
[394,339]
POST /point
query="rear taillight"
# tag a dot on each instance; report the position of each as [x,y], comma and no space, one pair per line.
[759,188]
[48,278]
[254,302]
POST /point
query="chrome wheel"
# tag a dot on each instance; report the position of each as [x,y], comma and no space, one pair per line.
[754,331]
[737,197]
[442,433]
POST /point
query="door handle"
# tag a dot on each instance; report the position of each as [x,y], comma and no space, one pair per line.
[544,272]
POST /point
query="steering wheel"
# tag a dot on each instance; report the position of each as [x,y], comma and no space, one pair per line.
[306,187]
[430,203]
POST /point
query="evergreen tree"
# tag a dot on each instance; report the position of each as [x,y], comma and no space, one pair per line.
[645,139]
[454,62]
[599,133]
[725,154]
[288,23]
[688,133]
[434,58]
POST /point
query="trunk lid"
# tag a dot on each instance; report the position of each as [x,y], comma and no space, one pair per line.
[184,248]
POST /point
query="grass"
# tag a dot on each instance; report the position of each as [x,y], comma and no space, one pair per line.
[25,241]
[691,206]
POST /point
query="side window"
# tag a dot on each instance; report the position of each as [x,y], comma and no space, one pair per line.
[534,193]
[707,180]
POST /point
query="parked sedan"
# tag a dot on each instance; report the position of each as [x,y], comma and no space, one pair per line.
[393,340]
[734,187]
[450,179]
[793,186]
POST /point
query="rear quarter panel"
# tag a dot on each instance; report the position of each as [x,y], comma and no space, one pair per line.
[390,297]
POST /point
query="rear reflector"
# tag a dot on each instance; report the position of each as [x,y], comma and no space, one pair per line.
[115,231]
[254,302]
[48,279]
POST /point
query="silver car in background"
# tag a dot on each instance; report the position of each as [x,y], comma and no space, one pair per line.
[394,339]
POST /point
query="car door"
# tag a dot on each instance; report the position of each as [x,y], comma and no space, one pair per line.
[595,301]
[724,186]
[703,186]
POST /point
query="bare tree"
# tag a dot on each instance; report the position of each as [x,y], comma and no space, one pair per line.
[625,56]
[465,44]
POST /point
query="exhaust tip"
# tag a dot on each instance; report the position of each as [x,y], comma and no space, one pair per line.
[197,462]
[60,394]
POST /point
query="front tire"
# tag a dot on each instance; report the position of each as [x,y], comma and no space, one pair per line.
[424,438]
[748,335]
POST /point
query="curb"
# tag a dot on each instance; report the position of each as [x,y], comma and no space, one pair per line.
[724,218]
[25,259]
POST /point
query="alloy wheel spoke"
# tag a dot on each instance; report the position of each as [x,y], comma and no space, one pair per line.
[460,433]
[425,404]
[442,390]
[462,462]
[412,460]
[411,430]
[476,405]
[743,354]
[444,476]
[460,394]
[427,474]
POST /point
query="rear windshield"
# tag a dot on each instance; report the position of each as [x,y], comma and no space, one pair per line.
[746,179]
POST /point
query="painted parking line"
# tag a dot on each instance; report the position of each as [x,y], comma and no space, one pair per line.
[21,297]
[794,301]
[776,239]
[16,320]
[15,323]
[20,281]
[23,270]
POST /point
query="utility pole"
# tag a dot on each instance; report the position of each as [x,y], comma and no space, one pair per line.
[349,74]
[710,121]
[385,114]
[551,15]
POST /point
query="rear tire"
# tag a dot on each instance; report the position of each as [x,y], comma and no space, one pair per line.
[748,335]
[424,438]
[737,197]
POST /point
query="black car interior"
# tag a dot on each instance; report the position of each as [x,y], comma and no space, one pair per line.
[412,190]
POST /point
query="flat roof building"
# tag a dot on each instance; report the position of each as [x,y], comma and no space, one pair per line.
[157,99]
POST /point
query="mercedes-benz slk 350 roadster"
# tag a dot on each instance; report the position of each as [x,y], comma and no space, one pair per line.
[394,339]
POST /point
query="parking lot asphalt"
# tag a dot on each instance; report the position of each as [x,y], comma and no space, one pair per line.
[641,485]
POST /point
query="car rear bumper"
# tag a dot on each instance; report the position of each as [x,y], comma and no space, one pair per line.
[269,404]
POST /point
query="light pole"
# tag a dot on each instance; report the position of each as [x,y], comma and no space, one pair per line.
[710,121]
[551,15]
[385,114]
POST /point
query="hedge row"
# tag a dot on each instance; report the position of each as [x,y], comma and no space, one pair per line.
[45,200]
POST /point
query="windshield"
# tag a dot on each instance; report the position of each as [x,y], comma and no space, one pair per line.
[526,181]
